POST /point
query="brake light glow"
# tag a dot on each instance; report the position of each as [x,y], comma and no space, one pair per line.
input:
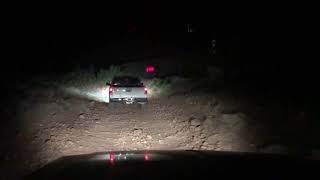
[110,90]
[145,90]
[146,157]
[111,157]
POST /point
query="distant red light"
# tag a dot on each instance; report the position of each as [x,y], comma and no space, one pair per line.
[146,157]
[150,69]
[111,157]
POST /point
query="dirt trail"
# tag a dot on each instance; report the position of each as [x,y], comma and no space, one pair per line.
[52,129]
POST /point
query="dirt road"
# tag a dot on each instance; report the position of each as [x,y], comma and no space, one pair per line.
[56,127]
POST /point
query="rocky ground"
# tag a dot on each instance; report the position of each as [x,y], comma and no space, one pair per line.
[51,122]
[53,125]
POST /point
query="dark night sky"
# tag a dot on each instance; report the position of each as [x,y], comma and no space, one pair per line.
[51,34]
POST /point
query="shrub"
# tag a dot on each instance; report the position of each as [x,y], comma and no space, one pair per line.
[90,78]
[92,82]
[158,87]
[104,75]
[89,83]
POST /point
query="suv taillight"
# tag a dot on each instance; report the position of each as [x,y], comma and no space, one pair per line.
[145,90]
[110,90]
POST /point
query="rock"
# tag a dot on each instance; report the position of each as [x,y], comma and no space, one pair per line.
[149,137]
[198,128]
[203,147]
[205,143]
[202,136]
[195,122]
[137,132]
[46,140]
[160,141]
[194,148]
[81,116]
[211,116]
[193,137]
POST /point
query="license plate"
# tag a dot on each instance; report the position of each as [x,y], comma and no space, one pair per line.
[127,90]
[128,99]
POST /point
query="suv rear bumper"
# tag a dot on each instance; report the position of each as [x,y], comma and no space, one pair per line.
[144,100]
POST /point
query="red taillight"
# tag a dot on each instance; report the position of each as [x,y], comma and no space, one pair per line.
[110,90]
[145,90]
[146,157]
[111,158]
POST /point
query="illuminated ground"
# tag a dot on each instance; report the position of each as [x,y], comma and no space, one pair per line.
[55,127]
[52,122]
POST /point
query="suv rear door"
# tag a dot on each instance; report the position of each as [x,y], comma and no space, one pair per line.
[127,87]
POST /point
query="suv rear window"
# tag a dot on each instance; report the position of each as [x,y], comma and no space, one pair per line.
[126,81]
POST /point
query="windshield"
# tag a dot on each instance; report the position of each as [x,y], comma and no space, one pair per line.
[223,77]
[126,81]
